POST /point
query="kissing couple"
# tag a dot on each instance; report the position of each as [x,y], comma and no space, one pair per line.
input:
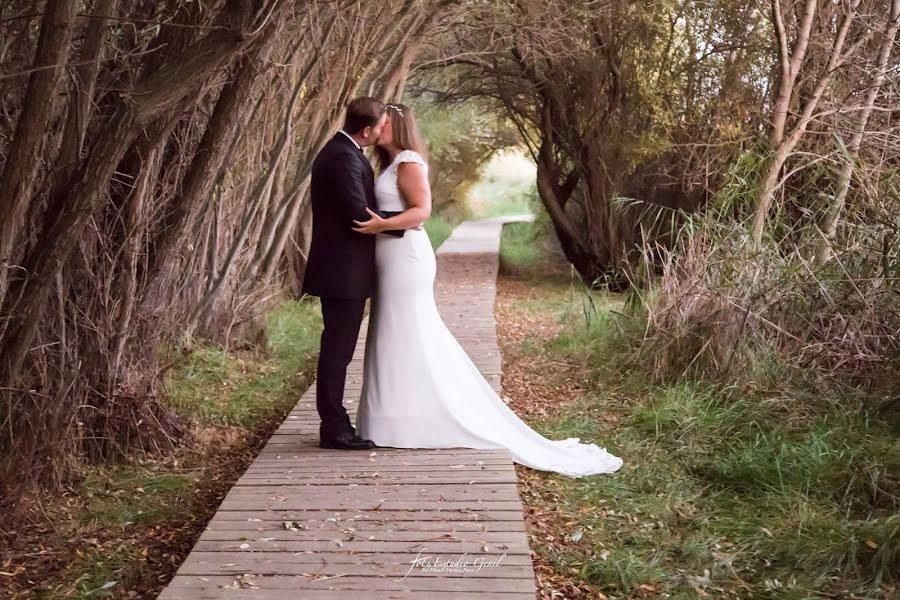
[420,389]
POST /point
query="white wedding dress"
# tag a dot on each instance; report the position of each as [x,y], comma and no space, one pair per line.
[420,389]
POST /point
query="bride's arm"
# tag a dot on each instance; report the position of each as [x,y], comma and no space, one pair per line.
[413,184]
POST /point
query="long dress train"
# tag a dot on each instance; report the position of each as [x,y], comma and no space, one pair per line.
[420,389]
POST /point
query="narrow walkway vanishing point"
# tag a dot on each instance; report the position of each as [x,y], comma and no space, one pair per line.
[307,523]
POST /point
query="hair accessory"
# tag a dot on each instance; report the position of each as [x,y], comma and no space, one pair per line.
[395,107]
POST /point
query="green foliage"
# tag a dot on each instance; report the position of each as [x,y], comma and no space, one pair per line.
[740,186]
[720,308]
[527,249]
[724,490]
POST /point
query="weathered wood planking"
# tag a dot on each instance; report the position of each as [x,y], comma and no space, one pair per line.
[303,522]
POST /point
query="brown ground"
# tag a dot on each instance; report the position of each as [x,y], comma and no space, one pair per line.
[47,537]
[534,395]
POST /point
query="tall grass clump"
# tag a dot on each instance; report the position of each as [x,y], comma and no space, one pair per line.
[800,358]
[772,315]
[751,390]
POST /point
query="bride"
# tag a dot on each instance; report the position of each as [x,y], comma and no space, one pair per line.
[420,389]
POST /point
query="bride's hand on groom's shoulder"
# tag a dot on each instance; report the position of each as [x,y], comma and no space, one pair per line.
[374,225]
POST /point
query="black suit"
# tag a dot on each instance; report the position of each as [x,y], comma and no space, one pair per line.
[340,268]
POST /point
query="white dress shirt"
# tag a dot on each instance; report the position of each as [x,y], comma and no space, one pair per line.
[355,143]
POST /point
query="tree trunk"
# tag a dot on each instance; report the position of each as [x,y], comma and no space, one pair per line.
[830,223]
[81,96]
[23,156]
[228,119]
[156,93]
[784,147]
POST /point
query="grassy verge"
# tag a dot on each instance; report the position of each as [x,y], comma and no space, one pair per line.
[439,228]
[215,387]
[121,531]
[725,492]
[529,252]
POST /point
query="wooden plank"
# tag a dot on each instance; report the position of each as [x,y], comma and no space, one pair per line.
[351,533]
[367,467]
[396,477]
[446,491]
[340,563]
[405,520]
[305,522]
[340,544]
[451,516]
[284,458]
[339,503]
[399,492]
[191,586]
[443,465]
[251,593]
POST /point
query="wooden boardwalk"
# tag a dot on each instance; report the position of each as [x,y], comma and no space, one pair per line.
[308,523]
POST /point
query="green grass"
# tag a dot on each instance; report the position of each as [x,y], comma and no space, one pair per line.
[439,229]
[519,250]
[726,491]
[772,500]
[109,574]
[118,501]
[527,251]
[133,495]
[221,388]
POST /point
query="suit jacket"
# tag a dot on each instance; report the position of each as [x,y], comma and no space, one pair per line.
[341,262]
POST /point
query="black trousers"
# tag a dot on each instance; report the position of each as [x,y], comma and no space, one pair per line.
[342,318]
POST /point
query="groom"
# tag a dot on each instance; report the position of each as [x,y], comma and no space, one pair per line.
[340,268]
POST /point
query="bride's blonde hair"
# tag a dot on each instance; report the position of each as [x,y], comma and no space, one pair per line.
[405,132]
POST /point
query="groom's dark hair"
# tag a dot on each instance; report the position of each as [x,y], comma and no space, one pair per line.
[363,112]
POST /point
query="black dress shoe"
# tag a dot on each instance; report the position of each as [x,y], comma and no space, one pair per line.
[346,442]
[370,443]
